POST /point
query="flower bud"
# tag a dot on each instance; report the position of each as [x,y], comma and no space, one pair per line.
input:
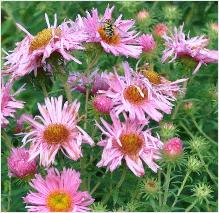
[214,26]
[18,163]
[147,42]
[202,191]
[142,15]
[193,164]
[167,131]
[188,106]
[160,29]
[102,104]
[172,13]
[99,207]
[173,149]
[149,188]
[198,144]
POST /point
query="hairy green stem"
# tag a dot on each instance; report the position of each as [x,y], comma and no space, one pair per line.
[122,178]
[180,101]
[119,184]
[166,185]
[86,107]
[191,206]
[201,131]
[181,188]
[9,195]
[6,139]
[206,168]
[186,129]
[63,77]
[43,86]
[98,184]
[160,190]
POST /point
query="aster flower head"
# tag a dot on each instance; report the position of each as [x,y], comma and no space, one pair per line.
[56,129]
[133,94]
[18,163]
[78,81]
[102,104]
[173,148]
[32,52]
[9,104]
[142,15]
[128,140]
[161,84]
[115,37]
[179,45]
[147,42]
[57,192]
[160,29]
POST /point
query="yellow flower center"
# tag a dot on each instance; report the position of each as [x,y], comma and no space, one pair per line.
[112,39]
[59,202]
[56,134]
[135,94]
[43,38]
[131,143]
[152,76]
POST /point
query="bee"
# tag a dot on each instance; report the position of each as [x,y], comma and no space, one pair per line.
[109,28]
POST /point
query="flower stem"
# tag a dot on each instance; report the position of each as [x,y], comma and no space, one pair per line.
[167,183]
[122,178]
[206,168]
[9,196]
[98,184]
[186,129]
[202,132]
[160,190]
[6,139]
[86,107]
[59,69]
[67,91]
[191,206]
[43,86]
[181,188]
[180,101]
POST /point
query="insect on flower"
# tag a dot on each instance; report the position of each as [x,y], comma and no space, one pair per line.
[109,28]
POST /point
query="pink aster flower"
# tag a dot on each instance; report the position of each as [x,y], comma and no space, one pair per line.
[173,148]
[135,95]
[115,37]
[58,192]
[9,104]
[177,45]
[18,163]
[78,81]
[128,140]
[161,84]
[102,104]
[56,129]
[160,29]
[147,42]
[33,51]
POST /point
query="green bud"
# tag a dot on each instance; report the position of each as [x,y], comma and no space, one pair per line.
[202,191]
[198,144]
[167,131]
[194,164]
